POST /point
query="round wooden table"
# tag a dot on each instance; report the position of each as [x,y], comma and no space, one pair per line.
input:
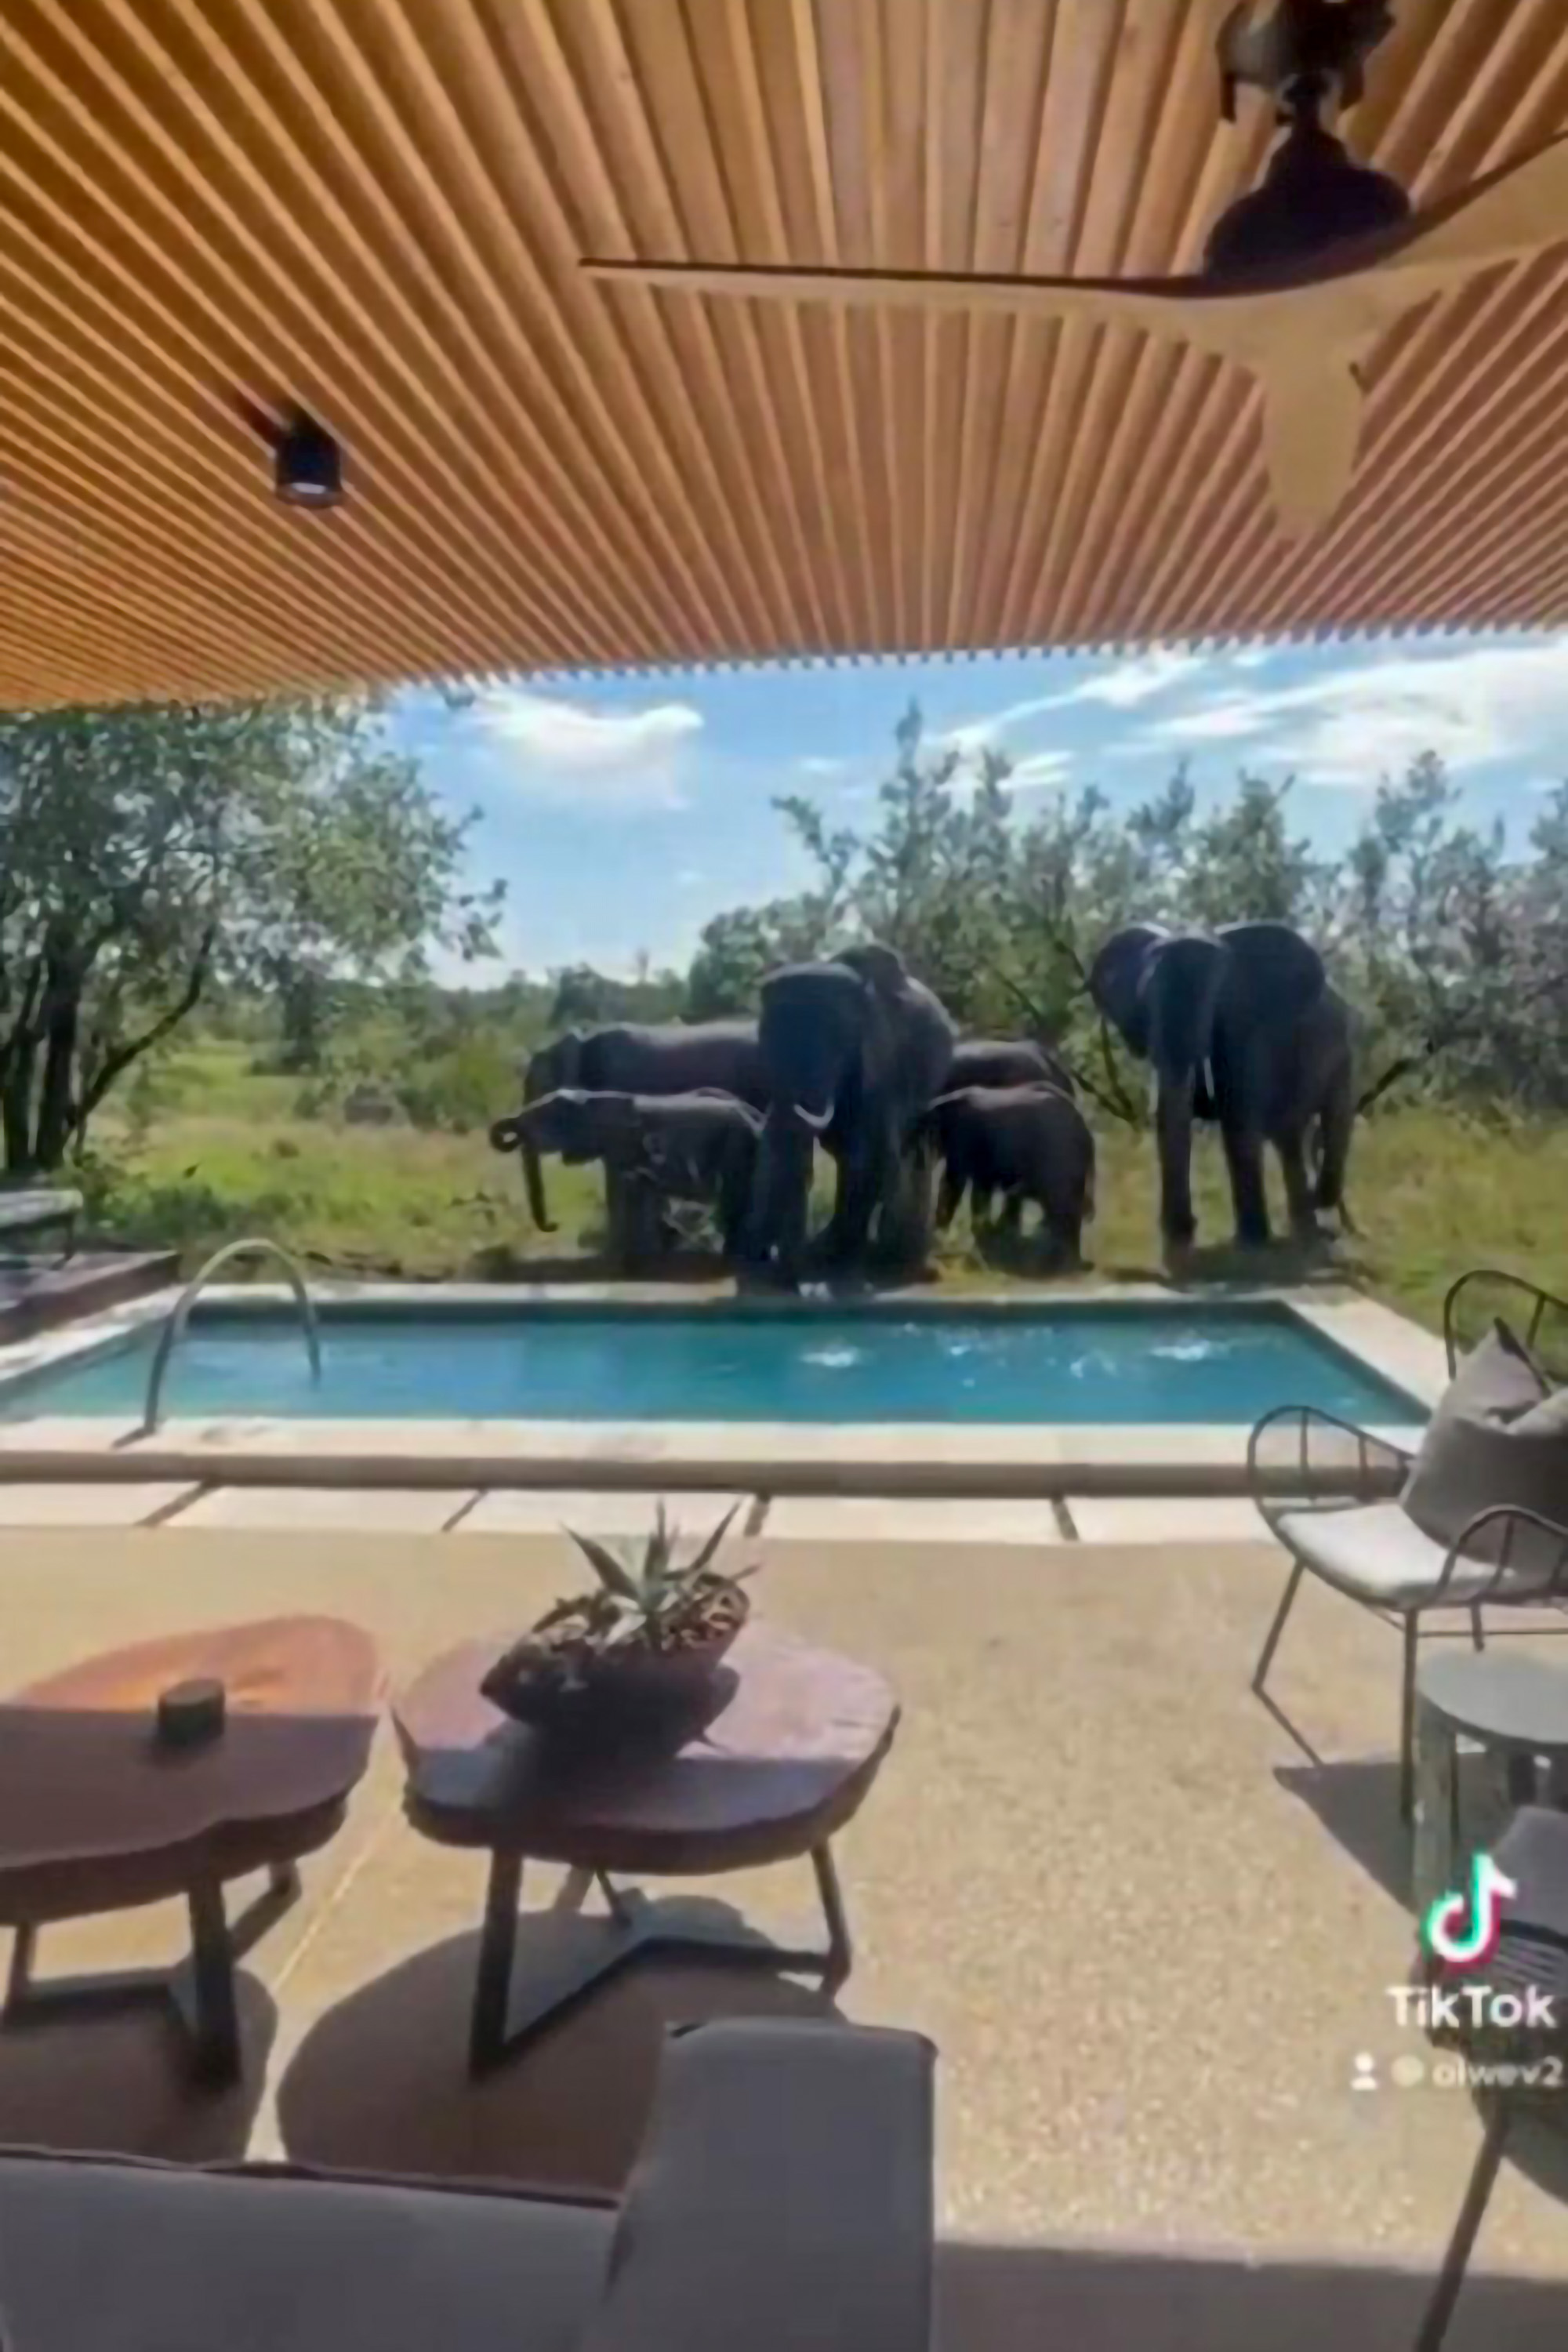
[96,1814]
[795,1739]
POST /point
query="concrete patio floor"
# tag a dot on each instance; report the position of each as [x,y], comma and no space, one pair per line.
[1147,1937]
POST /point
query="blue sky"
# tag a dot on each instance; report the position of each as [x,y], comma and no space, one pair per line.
[624,811]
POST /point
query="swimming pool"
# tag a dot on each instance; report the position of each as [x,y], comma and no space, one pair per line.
[1096,1362]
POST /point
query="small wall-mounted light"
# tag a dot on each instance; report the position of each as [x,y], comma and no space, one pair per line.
[308,465]
[307,461]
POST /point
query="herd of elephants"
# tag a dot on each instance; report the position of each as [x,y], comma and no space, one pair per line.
[1240,1026]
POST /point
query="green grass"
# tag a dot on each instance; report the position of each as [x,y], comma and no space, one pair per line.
[1431,1194]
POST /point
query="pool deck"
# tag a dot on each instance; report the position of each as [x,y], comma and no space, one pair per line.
[792,1459]
[1147,1934]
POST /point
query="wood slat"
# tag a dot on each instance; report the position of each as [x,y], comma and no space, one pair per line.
[377,208]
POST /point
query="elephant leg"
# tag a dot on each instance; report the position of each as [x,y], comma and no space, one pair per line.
[860,1189]
[620,1219]
[1173,1136]
[1298,1185]
[1013,1214]
[1244,1158]
[904,1234]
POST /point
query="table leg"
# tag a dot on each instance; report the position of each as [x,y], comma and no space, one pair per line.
[214,2040]
[201,1988]
[509,2010]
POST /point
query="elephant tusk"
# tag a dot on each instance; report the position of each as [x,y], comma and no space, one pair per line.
[816,1120]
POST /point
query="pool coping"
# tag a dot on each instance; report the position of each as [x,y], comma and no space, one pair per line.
[770,1458]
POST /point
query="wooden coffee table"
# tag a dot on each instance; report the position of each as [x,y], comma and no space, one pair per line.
[786,1761]
[95,1815]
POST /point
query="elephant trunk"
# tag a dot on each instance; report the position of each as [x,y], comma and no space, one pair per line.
[533,1180]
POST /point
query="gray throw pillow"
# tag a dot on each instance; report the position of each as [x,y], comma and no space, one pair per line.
[1500,1436]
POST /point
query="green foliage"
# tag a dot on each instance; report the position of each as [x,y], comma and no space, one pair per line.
[155,857]
[1453,956]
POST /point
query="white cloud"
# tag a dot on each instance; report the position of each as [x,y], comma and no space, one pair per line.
[1476,706]
[1126,687]
[1040,769]
[586,755]
[822,767]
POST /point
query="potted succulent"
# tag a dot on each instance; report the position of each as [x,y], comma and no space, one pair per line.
[640,1645]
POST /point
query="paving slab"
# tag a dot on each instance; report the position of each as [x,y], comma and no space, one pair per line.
[365,1510]
[546,1510]
[80,1503]
[896,1519]
[1165,1520]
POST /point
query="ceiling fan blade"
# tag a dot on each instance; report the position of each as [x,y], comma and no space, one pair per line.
[1184,308]
[1313,405]
[1515,212]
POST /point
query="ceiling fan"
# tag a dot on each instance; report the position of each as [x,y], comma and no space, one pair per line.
[1301,278]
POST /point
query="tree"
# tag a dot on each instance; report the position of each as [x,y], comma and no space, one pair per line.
[151,857]
[1454,956]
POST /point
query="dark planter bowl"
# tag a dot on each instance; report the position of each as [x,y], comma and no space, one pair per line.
[622,1690]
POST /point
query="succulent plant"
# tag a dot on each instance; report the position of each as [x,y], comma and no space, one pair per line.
[651,1594]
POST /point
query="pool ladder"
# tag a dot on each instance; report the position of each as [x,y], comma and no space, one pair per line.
[174,1329]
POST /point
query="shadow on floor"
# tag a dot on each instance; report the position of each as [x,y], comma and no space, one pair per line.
[1112,2298]
[1358,1804]
[118,2082]
[381,2083]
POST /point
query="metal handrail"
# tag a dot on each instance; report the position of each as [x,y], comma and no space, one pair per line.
[173,1329]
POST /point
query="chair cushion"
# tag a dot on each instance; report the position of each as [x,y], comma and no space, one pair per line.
[1374,1553]
[104,2257]
[1500,1436]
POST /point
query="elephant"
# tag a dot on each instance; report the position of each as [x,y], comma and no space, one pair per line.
[1243,1028]
[673,1059]
[853,1049]
[1006,1062]
[701,1146]
[1028,1143]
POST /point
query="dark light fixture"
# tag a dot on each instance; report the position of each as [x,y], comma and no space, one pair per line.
[1315,197]
[308,464]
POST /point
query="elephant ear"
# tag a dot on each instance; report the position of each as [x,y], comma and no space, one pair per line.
[1118,978]
[1275,972]
[882,967]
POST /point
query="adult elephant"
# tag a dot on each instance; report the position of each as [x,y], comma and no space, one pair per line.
[691,1147]
[1242,1028]
[1006,1062]
[853,1050]
[674,1058]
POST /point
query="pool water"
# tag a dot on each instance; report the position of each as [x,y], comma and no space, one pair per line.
[1091,1364]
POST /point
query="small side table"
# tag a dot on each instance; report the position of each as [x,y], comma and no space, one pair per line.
[96,1817]
[1514,1708]
[781,1767]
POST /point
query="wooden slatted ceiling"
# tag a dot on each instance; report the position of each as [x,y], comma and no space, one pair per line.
[376,207]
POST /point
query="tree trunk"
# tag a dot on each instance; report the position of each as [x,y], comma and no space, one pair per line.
[17,1109]
[56,1105]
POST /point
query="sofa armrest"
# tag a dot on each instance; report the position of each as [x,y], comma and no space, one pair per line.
[783,2199]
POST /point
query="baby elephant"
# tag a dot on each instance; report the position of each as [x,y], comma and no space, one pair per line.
[1029,1143]
[690,1147]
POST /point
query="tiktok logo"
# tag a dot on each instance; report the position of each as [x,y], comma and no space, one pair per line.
[1465,1929]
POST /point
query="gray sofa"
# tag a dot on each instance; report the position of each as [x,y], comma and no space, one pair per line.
[782,2202]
